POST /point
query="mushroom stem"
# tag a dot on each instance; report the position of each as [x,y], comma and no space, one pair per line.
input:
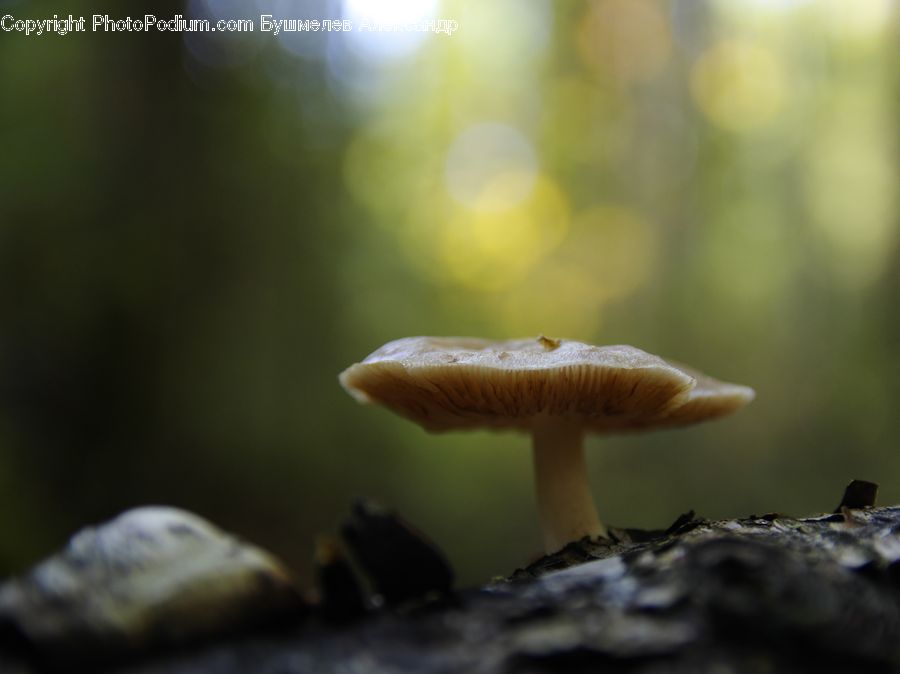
[565,505]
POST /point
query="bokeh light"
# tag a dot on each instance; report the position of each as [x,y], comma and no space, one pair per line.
[486,248]
[490,167]
[739,85]
[500,43]
[367,16]
[625,39]
[860,20]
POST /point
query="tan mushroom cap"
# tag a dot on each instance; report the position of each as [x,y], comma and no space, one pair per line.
[446,383]
[709,399]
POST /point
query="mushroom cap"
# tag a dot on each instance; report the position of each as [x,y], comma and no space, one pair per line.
[709,399]
[447,383]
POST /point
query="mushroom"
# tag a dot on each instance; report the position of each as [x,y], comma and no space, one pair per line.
[556,389]
[153,576]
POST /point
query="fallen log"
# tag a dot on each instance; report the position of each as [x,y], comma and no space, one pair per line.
[765,593]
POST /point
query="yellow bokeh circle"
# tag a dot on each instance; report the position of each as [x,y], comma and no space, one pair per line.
[491,250]
[738,85]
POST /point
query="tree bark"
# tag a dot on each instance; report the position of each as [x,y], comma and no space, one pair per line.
[762,594]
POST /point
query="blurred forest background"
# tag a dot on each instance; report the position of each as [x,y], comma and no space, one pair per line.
[198,232]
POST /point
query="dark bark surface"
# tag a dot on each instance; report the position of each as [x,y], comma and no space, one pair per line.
[762,594]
